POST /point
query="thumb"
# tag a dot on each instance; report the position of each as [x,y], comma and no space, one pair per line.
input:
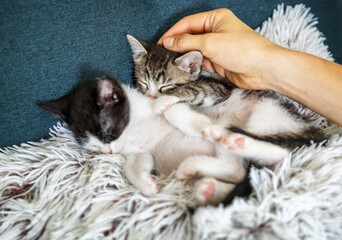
[183,43]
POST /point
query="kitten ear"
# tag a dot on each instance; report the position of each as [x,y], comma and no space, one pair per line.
[107,93]
[190,62]
[137,48]
[58,107]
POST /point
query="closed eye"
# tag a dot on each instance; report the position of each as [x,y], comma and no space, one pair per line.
[166,87]
[144,84]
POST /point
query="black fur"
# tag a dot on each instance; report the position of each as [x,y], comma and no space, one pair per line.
[85,111]
[242,189]
[289,141]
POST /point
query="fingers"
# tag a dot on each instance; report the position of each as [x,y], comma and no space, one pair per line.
[190,24]
[207,65]
[197,23]
[211,67]
[184,43]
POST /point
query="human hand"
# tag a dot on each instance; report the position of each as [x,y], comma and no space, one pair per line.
[236,52]
[229,46]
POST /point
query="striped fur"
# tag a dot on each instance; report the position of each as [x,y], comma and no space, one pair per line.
[161,72]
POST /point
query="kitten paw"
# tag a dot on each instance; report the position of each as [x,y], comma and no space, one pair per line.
[214,132]
[186,170]
[205,190]
[165,102]
[149,186]
[235,141]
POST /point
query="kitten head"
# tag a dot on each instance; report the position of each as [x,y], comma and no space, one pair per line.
[96,112]
[158,69]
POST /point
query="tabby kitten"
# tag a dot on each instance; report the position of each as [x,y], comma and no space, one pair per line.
[261,115]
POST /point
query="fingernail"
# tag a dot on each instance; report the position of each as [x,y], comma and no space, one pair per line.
[168,42]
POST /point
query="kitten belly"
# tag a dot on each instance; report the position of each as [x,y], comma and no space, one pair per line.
[176,147]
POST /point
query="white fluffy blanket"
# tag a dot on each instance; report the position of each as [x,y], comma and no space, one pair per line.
[52,189]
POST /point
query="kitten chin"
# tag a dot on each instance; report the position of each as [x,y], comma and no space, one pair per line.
[96,112]
[93,144]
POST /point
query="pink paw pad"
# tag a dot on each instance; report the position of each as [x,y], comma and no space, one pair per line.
[205,134]
[152,184]
[209,191]
[187,176]
[190,175]
[214,133]
[234,141]
[166,107]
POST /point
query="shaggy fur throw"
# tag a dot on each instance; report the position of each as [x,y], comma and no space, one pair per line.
[52,189]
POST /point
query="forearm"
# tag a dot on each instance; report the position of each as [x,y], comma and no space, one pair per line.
[312,81]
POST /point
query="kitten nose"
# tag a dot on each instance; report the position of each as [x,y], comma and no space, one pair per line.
[106,150]
[152,95]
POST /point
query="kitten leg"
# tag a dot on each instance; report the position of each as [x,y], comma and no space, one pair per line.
[229,169]
[186,119]
[137,169]
[210,190]
[264,152]
[245,146]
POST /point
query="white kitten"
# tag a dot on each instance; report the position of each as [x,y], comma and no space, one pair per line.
[108,117]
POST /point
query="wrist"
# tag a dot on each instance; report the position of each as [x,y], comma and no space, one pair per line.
[276,66]
[312,81]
